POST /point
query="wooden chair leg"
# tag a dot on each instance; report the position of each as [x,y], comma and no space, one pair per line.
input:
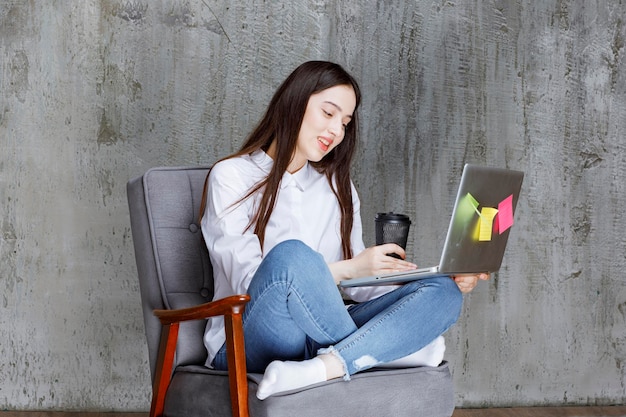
[236,364]
[165,361]
[232,309]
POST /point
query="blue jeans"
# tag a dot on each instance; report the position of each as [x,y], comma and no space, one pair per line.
[296,312]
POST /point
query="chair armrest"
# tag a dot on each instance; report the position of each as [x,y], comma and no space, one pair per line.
[226,306]
[232,309]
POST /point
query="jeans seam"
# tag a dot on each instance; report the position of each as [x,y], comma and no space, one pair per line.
[310,316]
[265,290]
[383,319]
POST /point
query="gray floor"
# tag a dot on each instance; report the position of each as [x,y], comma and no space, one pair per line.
[544,412]
[491,412]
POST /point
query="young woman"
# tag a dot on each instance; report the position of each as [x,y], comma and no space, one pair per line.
[282,223]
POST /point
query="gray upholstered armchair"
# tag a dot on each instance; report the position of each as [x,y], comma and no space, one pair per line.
[176,283]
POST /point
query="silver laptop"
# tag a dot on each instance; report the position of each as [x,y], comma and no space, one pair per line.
[479,227]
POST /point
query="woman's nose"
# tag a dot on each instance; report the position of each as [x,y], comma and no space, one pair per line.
[335,127]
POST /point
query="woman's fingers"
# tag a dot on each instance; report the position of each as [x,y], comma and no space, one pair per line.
[467,283]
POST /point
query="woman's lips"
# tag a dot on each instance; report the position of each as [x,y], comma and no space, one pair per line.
[324,143]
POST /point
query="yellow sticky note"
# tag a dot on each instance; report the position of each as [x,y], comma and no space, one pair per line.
[486,223]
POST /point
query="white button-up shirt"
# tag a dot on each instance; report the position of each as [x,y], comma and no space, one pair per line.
[306,210]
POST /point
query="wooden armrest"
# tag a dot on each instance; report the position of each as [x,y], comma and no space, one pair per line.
[232,309]
[224,307]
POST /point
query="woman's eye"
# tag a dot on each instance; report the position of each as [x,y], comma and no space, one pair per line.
[327,113]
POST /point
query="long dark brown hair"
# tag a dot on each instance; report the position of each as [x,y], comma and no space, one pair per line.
[281,122]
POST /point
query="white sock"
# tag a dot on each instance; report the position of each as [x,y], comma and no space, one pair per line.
[429,355]
[284,376]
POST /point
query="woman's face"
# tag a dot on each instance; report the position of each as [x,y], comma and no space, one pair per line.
[323,126]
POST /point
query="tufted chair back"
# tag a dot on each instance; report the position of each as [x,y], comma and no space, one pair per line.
[172,260]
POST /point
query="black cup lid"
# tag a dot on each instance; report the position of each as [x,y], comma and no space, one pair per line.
[392,217]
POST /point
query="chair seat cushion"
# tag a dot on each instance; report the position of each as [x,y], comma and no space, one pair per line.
[199,391]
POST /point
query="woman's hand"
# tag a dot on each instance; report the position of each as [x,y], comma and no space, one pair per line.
[467,283]
[372,261]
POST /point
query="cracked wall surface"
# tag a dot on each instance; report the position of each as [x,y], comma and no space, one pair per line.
[93,93]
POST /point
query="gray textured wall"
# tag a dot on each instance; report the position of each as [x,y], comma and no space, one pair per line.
[95,92]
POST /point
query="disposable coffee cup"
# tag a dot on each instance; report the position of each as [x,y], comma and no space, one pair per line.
[392,228]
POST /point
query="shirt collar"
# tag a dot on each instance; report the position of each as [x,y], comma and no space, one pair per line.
[301,179]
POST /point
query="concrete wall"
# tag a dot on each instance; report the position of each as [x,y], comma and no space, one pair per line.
[95,92]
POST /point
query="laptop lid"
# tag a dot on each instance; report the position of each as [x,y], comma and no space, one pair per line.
[481,220]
